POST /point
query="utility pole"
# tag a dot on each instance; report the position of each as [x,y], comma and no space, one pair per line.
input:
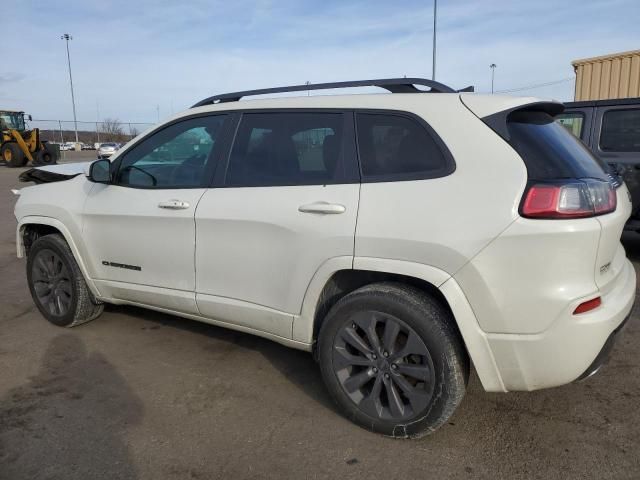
[308,83]
[493,73]
[68,37]
[435,17]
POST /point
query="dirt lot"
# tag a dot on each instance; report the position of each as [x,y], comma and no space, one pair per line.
[137,394]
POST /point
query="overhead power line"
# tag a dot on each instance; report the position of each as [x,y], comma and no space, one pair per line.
[536,85]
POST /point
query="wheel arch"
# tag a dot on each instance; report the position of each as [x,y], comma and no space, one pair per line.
[31,227]
[325,291]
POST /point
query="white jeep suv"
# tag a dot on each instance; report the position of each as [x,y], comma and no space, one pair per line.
[400,237]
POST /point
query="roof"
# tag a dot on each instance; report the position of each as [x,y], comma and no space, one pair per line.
[11,111]
[602,58]
[604,103]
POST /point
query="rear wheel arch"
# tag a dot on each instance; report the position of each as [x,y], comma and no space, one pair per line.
[343,282]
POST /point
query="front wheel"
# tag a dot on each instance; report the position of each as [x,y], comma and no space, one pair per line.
[13,155]
[392,360]
[57,285]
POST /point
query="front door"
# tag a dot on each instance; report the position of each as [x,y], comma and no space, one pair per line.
[288,203]
[140,230]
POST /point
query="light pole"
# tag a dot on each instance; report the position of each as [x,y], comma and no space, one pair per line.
[68,37]
[433,61]
[493,74]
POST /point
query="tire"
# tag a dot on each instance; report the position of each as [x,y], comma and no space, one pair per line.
[69,303]
[43,157]
[425,367]
[13,155]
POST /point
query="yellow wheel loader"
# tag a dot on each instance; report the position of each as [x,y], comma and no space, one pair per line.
[18,146]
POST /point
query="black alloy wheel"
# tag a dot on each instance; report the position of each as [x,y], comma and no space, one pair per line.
[383,366]
[52,283]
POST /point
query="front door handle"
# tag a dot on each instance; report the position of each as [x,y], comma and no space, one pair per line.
[174,205]
[322,207]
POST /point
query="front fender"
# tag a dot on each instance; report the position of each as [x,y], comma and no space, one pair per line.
[58,225]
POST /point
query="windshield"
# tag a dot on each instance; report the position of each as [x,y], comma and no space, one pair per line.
[12,120]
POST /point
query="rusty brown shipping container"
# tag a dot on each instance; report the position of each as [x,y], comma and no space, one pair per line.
[609,76]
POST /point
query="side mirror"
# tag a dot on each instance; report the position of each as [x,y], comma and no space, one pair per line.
[100,171]
[30,118]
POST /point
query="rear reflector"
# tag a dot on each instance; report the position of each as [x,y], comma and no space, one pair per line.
[588,306]
[573,199]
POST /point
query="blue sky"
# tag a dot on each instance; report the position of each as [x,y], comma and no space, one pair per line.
[128,57]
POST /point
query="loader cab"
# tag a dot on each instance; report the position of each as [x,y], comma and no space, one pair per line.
[12,120]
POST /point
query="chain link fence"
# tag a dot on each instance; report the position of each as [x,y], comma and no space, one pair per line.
[89,133]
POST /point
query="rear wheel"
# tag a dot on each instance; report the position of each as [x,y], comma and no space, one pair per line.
[57,285]
[392,360]
[13,155]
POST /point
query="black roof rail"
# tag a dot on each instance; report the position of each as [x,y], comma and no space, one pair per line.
[394,85]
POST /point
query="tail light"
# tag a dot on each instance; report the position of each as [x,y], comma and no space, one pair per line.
[572,199]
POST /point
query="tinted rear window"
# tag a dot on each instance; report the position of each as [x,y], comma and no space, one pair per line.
[620,131]
[548,150]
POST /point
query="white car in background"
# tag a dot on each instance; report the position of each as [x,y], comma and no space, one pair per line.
[105,150]
[398,237]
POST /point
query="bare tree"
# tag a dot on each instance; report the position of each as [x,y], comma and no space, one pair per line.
[111,128]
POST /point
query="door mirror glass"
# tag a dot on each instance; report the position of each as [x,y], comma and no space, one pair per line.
[100,171]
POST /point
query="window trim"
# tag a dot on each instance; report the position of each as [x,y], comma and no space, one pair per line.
[349,149]
[209,172]
[450,164]
[604,113]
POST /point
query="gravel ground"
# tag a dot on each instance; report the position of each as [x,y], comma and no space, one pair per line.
[138,394]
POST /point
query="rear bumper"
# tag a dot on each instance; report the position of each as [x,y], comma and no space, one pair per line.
[570,348]
[603,356]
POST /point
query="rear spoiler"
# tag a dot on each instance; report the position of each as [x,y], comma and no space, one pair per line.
[498,121]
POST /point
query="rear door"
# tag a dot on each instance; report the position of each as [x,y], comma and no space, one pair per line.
[617,142]
[287,203]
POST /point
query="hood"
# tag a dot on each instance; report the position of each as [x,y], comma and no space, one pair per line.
[54,173]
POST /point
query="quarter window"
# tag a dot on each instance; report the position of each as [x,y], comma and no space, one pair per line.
[572,122]
[287,149]
[398,147]
[620,131]
[181,155]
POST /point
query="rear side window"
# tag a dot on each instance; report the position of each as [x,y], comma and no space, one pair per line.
[620,131]
[572,121]
[282,148]
[396,147]
[548,150]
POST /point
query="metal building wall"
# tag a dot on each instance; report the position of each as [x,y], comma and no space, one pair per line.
[608,76]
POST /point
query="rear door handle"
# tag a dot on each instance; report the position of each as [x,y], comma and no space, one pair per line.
[174,205]
[322,207]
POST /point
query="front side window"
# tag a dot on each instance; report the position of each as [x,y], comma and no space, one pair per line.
[620,131]
[398,147]
[572,122]
[283,148]
[178,156]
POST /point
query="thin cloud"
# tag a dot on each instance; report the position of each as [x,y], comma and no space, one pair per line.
[128,57]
